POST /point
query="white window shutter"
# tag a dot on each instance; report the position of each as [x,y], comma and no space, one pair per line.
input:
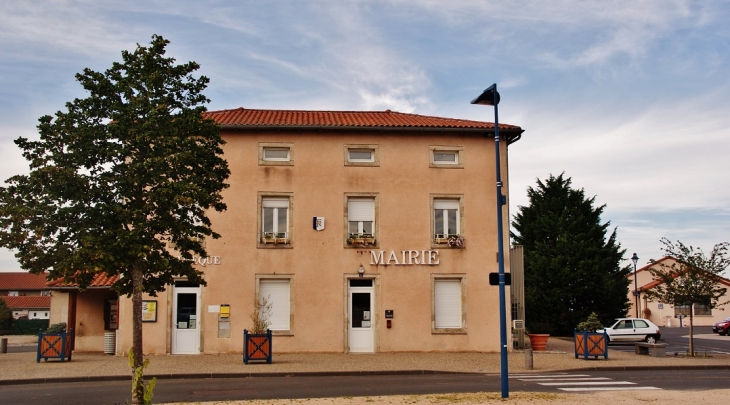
[275,202]
[278,294]
[447,303]
[446,204]
[360,209]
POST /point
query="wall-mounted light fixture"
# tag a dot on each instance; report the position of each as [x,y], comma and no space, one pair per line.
[360,271]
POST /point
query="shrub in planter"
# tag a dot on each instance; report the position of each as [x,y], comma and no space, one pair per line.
[588,341]
[257,342]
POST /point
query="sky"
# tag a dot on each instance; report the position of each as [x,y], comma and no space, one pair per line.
[627,98]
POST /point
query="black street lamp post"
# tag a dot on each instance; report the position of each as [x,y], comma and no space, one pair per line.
[635,259]
[490,96]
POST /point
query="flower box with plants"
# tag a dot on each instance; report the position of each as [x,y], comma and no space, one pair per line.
[274,238]
[453,241]
[55,343]
[588,341]
[360,239]
[257,342]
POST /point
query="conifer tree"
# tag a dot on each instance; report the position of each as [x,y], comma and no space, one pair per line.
[572,263]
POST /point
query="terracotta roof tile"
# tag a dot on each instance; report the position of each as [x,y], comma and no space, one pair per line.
[28,301]
[19,281]
[100,280]
[252,118]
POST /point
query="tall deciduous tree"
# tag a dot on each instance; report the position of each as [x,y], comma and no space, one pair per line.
[572,263]
[120,182]
[692,278]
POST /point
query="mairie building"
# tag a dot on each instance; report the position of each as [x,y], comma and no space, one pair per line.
[366,231]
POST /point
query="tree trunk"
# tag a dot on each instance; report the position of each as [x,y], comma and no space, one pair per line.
[138,389]
[691,332]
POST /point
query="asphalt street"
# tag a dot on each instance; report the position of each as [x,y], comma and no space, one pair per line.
[229,389]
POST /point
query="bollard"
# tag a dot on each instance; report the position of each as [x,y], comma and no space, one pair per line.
[528,359]
[3,345]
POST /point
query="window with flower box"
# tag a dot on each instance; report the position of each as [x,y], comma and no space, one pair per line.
[360,219]
[275,220]
[447,221]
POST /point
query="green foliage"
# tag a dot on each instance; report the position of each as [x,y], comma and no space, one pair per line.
[29,326]
[119,177]
[260,315]
[591,324]
[6,315]
[691,278]
[121,182]
[138,387]
[572,262]
[57,328]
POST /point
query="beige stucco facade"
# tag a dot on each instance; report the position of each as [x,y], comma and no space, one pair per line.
[415,293]
[664,314]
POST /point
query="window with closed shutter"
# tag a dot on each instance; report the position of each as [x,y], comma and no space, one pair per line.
[447,304]
[277,293]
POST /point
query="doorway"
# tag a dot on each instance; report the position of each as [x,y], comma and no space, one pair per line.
[185,319]
[360,316]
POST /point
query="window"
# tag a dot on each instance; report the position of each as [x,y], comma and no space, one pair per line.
[277,292]
[448,308]
[360,221]
[640,324]
[699,309]
[275,154]
[447,156]
[446,219]
[275,221]
[361,155]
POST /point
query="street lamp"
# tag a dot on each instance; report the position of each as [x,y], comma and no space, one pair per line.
[635,259]
[490,96]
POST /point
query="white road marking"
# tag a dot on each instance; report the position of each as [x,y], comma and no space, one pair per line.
[566,379]
[607,389]
[591,383]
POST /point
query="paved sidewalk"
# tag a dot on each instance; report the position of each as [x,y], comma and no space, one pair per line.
[22,368]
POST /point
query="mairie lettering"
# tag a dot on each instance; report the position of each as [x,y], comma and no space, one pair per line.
[405,258]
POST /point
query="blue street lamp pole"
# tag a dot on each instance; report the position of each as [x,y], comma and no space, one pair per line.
[635,259]
[490,96]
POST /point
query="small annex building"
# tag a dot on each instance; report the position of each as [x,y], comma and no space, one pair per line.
[367,231]
[668,314]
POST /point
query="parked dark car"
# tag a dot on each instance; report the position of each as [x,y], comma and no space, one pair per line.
[722,327]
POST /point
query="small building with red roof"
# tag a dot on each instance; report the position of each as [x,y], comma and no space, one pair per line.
[25,294]
[666,313]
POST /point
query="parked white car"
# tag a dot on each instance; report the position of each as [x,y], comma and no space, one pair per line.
[633,330]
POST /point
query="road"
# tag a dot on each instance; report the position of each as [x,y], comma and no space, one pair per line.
[118,392]
[677,340]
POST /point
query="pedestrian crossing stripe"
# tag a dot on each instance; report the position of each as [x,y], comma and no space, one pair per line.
[579,382]
[582,389]
[547,375]
[589,383]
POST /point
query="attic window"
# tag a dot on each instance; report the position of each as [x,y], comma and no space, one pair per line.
[276,154]
[448,157]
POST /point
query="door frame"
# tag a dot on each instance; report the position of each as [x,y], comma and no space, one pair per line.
[374,316]
[173,318]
